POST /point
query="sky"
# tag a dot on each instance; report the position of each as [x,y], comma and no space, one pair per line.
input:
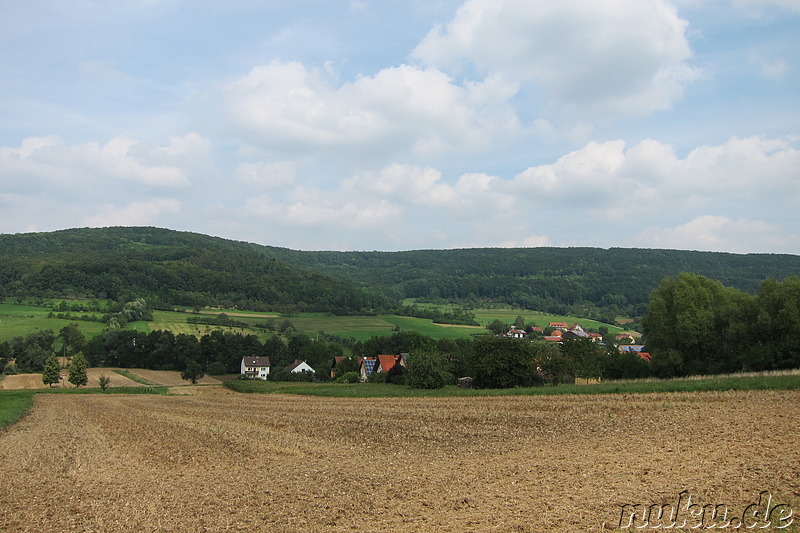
[407,124]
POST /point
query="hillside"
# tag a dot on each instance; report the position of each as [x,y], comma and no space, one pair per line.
[180,268]
[587,282]
[170,268]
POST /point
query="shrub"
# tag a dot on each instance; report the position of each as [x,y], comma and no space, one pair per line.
[427,369]
[104,381]
[349,377]
[378,377]
[10,369]
[216,368]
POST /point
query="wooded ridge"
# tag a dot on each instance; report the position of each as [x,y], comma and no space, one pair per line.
[180,268]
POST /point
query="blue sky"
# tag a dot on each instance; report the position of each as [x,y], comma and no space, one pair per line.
[366,125]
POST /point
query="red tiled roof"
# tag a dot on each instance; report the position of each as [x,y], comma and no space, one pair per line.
[386,362]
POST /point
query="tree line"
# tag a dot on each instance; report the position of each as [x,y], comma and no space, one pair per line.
[696,325]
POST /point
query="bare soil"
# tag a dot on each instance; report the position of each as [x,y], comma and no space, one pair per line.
[170,378]
[34,381]
[281,463]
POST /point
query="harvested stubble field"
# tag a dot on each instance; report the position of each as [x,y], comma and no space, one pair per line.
[169,378]
[34,381]
[288,463]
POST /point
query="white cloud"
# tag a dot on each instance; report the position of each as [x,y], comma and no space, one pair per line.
[267,175]
[50,160]
[401,110]
[649,175]
[720,233]
[593,59]
[533,241]
[133,214]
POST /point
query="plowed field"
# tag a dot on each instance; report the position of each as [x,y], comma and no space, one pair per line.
[281,463]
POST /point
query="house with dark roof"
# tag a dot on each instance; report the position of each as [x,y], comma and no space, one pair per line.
[255,367]
[366,366]
[299,366]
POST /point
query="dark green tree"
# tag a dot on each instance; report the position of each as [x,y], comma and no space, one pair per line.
[345,365]
[193,372]
[72,339]
[52,371]
[427,369]
[77,370]
[501,362]
[587,359]
[497,326]
[693,326]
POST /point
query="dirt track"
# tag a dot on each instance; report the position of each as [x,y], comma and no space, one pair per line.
[282,463]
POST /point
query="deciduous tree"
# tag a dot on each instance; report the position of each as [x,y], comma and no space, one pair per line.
[77,370]
[52,371]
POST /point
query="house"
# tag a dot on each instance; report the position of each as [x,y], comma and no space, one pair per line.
[553,338]
[625,338]
[596,337]
[299,366]
[559,325]
[631,348]
[387,362]
[255,367]
[575,334]
[514,333]
[366,366]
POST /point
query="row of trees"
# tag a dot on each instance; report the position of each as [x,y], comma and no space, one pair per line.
[695,325]
[51,374]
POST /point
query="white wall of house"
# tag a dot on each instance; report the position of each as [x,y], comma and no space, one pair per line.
[258,372]
[302,367]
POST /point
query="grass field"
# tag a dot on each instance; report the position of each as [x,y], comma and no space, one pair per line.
[19,320]
[383,390]
[291,463]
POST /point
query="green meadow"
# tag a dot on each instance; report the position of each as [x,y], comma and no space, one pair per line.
[22,319]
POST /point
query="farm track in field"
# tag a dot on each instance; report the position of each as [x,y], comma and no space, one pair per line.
[287,463]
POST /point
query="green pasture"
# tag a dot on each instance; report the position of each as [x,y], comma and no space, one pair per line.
[365,327]
[509,315]
[19,320]
[486,316]
[383,390]
[22,319]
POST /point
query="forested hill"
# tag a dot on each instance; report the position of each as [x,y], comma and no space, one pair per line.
[169,268]
[182,268]
[590,282]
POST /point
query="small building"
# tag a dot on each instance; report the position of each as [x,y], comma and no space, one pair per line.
[255,367]
[514,333]
[388,362]
[299,366]
[366,366]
